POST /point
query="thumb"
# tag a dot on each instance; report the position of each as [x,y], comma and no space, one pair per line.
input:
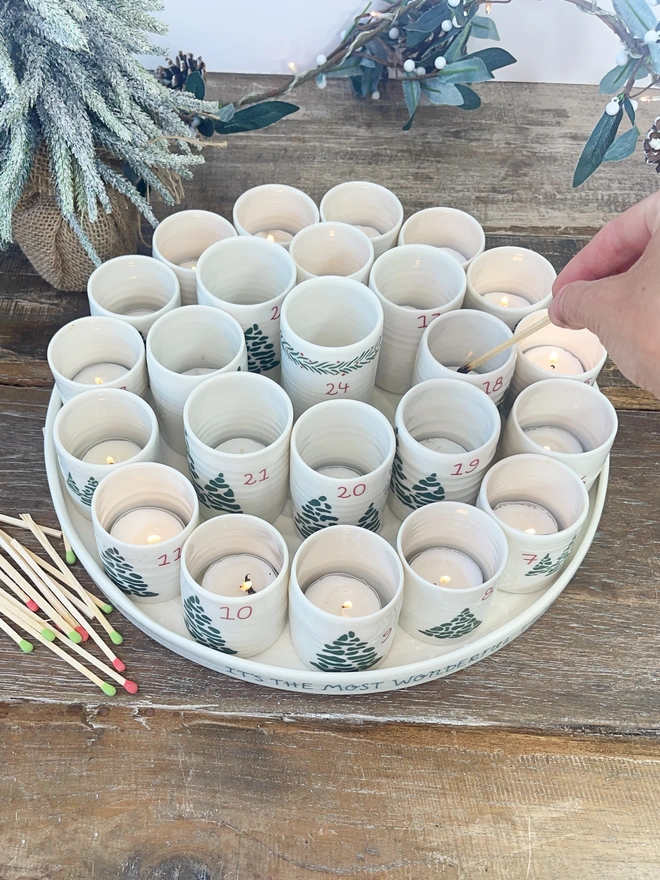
[590,304]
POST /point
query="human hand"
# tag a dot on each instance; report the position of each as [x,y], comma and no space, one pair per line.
[612,287]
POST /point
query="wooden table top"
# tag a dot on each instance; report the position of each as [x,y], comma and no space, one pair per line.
[540,762]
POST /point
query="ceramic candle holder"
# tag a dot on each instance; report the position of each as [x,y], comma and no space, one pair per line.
[136,289]
[581,344]
[249,278]
[415,283]
[332,643]
[276,210]
[453,339]
[105,416]
[97,342]
[536,559]
[332,249]
[435,611]
[456,232]
[239,411]
[341,459]
[149,572]
[582,411]
[450,416]
[332,331]
[247,624]
[183,349]
[180,240]
[507,272]
[367,205]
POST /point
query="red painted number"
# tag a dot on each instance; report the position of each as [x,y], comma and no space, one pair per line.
[275,313]
[489,592]
[386,635]
[165,560]
[497,385]
[335,389]
[529,557]
[458,469]
[242,613]
[424,320]
[252,479]
[345,492]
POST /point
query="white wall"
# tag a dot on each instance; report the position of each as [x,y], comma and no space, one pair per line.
[552,40]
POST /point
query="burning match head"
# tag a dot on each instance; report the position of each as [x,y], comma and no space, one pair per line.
[32,605]
[116,638]
[463,370]
[130,686]
[118,664]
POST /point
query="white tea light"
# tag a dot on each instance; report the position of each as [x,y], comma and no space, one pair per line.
[343,596]
[277,236]
[339,472]
[111,451]
[445,567]
[198,371]
[554,360]
[99,374]
[146,525]
[527,517]
[443,444]
[555,439]
[138,313]
[506,300]
[241,574]
[189,263]
[240,445]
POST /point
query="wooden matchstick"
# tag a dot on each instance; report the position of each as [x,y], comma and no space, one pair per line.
[126,683]
[56,573]
[8,601]
[13,584]
[22,643]
[514,340]
[70,556]
[13,521]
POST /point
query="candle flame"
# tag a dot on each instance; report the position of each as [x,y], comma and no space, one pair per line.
[504,302]
[531,531]
[487,8]
[270,237]
[445,579]
[292,67]
[153,539]
[347,604]
[246,586]
[109,460]
[98,380]
[554,357]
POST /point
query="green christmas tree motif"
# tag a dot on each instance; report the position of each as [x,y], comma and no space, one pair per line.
[346,654]
[200,626]
[399,481]
[262,355]
[124,575]
[370,519]
[547,567]
[461,625]
[315,515]
[216,494]
[87,493]
[427,491]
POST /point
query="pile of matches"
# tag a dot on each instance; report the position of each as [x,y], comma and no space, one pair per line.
[67,607]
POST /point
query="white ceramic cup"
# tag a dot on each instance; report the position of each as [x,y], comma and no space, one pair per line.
[255,411]
[505,272]
[365,204]
[441,414]
[198,338]
[102,414]
[180,240]
[150,572]
[249,278]
[274,208]
[94,342]
[582,411]
[444,614]
[332,249]
[453,339]
[415,283]
[536,559]
[135,289]
[332,330]
[341,460]
[244,625]
[454,231]
[331,643]
[582,344]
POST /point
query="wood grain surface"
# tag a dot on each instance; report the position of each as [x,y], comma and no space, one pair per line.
[540,763]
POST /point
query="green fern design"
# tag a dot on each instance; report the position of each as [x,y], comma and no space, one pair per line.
[87,493]
[370,519]
[315,515]
[216,494]
[261,353]
[200,626]
[547,567]
[346,654]
[123,575]
[325,368]
[461,625]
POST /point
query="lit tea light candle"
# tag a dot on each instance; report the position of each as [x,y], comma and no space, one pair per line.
[112,451]
[445,567]
[198,371]
[457,255]
[240,445]
[554,360]
[146,525]
[343,596]
[339,472]
[189,263]
[241,574]
[99,374]
[555,439]
[507,300]
[139,313]
[278,236]
[527,517]
[368,230]
[443,444]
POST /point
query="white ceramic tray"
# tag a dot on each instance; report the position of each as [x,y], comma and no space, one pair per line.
[409,662]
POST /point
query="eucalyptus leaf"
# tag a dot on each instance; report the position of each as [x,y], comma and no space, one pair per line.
[195,84]
[494,58]
[471,100]
[439,92]
[367,62]
[484,28]
[596,147]
[467,70]
[258,116]
[349,67]
[616,79]
[654,56]
[637,16]
[411,92]
[418,31]
[623,146]
[630,110]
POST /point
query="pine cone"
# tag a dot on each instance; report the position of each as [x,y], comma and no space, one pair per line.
[652,145]
[174,76]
